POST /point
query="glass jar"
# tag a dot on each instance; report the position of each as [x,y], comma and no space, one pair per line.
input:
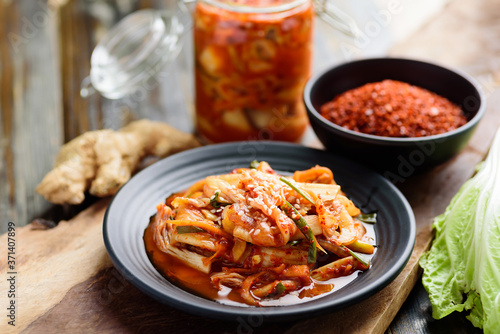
[252,60]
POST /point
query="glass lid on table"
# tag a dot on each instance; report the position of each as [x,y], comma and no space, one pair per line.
[252,59]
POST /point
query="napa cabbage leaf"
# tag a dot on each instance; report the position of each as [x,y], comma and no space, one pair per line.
[462,268]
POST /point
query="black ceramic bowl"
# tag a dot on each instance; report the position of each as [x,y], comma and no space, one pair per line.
[397,158]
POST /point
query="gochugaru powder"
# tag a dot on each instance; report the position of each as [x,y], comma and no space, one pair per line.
[393,109]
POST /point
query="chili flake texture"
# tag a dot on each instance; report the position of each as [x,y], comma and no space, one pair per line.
[393,109]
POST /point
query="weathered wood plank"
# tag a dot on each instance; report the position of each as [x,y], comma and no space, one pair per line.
[68,251]
[75,55]
[7,190]
[30,109]
[422,322]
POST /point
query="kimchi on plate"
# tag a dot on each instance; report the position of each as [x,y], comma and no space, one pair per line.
[254,237]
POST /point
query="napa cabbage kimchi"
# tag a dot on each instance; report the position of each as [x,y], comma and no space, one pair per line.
[254,236]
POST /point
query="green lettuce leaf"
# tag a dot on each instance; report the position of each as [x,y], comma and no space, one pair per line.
[462,268]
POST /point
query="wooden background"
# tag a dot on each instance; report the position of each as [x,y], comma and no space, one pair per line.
[44,55]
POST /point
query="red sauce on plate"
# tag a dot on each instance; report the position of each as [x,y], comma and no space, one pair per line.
[199,283]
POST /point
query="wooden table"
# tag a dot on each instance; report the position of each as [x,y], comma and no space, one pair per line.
[43,59]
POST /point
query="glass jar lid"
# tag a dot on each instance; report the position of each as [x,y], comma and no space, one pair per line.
[133,51]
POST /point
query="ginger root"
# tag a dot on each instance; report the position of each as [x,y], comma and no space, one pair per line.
[102,161]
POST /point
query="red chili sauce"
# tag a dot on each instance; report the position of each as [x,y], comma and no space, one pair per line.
[199,283]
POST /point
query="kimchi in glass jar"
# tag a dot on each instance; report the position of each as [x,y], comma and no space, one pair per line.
[252,60]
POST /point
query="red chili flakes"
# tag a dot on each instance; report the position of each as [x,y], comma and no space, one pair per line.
[393,109]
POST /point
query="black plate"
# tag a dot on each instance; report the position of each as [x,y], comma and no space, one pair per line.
[128,214]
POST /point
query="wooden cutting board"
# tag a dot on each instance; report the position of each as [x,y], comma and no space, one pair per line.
[65,281]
